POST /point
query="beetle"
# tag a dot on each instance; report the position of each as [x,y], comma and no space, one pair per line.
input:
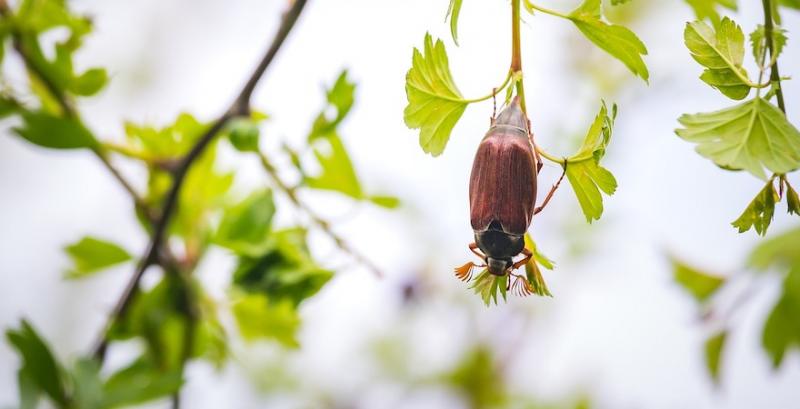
[502,193]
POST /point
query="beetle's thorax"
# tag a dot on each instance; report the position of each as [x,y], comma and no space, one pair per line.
[511,119]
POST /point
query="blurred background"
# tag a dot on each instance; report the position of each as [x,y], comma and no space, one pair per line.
[618,332]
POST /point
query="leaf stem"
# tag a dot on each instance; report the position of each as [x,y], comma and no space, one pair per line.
[239,108]
[544,10]
[516,54]
[494,93]
[774,76]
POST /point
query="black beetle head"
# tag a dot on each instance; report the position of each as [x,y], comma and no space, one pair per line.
[497,267]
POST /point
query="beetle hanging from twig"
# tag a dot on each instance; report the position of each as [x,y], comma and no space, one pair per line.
[502,196]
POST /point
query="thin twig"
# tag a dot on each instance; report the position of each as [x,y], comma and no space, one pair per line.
[323,224]
[239,107]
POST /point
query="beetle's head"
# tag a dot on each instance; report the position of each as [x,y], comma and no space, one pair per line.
[497,266]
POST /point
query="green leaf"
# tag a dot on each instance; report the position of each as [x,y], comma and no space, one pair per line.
[90,82]
[722,54]
[486,285]
[171,141]
[699,284]
[246,226]
[337,172]
[87,386]
[340,98]
[713,351]
[792,199]
[91,254]
[243,134]
[532,271]
[749,136]
[782,328]
[40,370]
[757,41]
[792,4]
[285,271]
[614,39]
[708,8]
[583,169]
[138,383]
[759,212]
[453,11]
[434,102]
[50,131]
[258,318]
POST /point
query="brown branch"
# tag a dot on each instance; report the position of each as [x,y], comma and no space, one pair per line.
[239,107]
[323,224]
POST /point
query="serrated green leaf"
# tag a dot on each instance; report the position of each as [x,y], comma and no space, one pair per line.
[759,212]
[91,254]
[40,370]
[759,45]
[699,284]
[722,54]
[708,8]
[532,271]
[614,39]
[714,347]
[257,318]
[50,131]
[452,12]
[751,136]
[584,172]
[434,102]
[246,226]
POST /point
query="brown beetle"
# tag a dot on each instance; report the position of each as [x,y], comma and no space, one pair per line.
[502,193]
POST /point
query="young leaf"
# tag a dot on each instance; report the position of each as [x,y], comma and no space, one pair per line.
[749,136]
[258,318]
[757,41]
[699,284]
[532,270]
[722,54]
[341,98]
[792,200]
[453,11]
[614,39]
[434,102]
[92,254]
[39,369]
[777,252]
[50,131]
[584,172]
[243,134]
[246,226]
[713,351]
[759,212]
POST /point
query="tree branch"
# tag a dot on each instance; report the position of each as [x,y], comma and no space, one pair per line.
[239,107]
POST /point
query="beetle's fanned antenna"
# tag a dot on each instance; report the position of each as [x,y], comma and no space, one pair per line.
[464,273]
[521,286]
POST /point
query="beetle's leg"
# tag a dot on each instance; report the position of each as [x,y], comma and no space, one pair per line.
[494,104]
[474,248]
[524,260]
[552,190]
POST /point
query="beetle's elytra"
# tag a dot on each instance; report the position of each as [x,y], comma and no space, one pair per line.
[502,190]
